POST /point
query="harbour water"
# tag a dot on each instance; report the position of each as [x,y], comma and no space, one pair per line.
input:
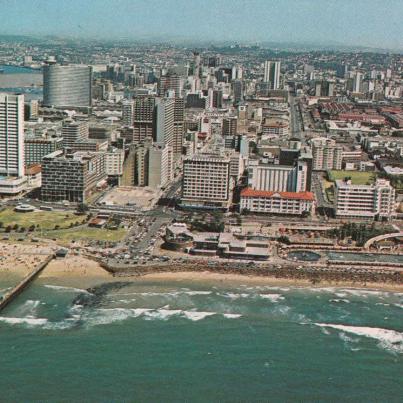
[200,341]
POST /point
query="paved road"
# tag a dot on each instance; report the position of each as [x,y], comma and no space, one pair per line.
[317,187]
[295,119]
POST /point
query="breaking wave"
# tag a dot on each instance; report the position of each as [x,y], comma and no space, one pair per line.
[388,339]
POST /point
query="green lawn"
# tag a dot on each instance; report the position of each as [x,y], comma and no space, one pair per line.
[45,219]
[87,233]
[357,178]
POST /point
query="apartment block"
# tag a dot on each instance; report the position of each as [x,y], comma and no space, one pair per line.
[326,154]
[73,132]
[376,201]
[71,177]
[37,148]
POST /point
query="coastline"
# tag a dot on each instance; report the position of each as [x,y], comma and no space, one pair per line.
[78,270]
[230,278]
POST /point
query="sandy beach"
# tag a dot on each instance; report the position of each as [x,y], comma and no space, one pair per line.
[19,259]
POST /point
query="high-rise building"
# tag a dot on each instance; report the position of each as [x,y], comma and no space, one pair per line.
[12,174]
[217,98]
[164,121]
[67,86]
[160,166]
[179,126]
[237,88]
[143,119]
[326,154]
[128,112]
[357,81]
[170,82]
[206,181]
[74,132]
[71,177]
[272,74]
[229,126]
[11,135]
[37,147]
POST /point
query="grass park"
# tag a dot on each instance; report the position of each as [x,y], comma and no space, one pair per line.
[44,219]
[357,177]
[85,233]
[58,225]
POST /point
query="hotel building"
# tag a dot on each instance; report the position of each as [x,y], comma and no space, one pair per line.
[365,201]
[206,181]
[288,203]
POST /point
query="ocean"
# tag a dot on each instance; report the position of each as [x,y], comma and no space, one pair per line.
[155,341]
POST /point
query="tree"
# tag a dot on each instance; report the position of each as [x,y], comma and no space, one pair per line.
[82,208]
[8,228]
[284,239]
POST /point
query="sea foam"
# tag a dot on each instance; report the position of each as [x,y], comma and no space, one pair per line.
[66,289]
[30,321]
[389,339]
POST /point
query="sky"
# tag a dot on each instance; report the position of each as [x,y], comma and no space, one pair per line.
[374,23]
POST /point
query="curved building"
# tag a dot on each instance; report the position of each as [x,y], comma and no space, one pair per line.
[65,86]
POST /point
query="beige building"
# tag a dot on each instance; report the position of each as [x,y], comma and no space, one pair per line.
[326,154]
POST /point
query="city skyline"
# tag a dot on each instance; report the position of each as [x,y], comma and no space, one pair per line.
[330,23]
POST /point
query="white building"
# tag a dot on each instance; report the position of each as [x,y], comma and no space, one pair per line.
[114,160]
[272,74]
[357,82]
[74,132]
[293,203]
[160,166]
[326,154]
[277,178]
[12,179]
[275,127]
[206,181]
[365,201]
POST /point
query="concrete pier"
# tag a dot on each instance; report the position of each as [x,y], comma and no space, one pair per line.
[9,296]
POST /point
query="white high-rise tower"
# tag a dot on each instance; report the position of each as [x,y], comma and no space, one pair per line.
[272,74]
[11,135]
[12,174]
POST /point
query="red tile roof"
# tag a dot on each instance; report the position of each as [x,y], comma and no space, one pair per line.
[248,192]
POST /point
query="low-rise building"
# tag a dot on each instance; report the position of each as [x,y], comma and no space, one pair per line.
[287,203]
